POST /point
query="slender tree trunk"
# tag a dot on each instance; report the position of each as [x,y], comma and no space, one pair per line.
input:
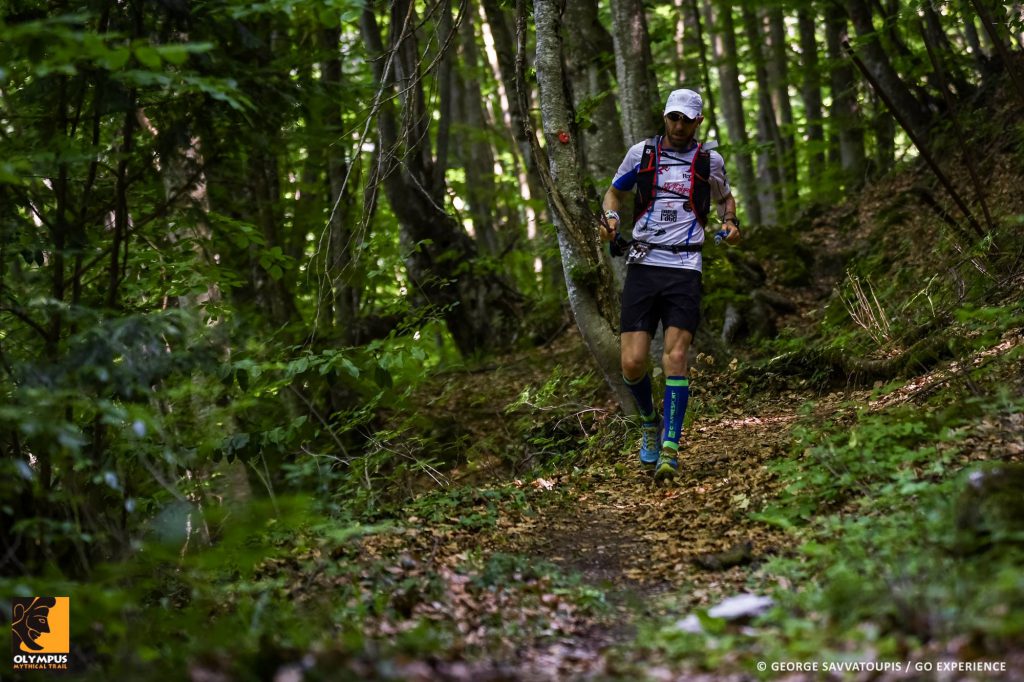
[971,37]
[264,190]
[1001,42]
[846,123]
[481,309]
[932,30]
[724,53]
[587,277]
[877,61]
[811,93]
[884,128]
[344,296]
[472,149]
[588,58]
[121,217]
[778,71]
[687,43]
[697,30]
[505,49]
[638,88]
[769,163]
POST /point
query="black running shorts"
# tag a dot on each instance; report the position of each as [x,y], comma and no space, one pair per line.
[654,294]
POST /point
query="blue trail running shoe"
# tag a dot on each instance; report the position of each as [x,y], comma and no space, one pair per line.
[667,466]
[650,443]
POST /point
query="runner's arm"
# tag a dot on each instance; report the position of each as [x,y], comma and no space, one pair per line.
[727,210]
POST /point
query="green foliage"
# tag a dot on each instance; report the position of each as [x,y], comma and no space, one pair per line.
[468,508]
[557,420]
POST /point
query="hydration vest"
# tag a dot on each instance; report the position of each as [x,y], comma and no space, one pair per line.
[697,200]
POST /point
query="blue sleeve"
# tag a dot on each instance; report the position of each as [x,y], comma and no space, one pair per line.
[625,182]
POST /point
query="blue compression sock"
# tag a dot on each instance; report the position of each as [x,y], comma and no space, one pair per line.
[641,390]
[677,394]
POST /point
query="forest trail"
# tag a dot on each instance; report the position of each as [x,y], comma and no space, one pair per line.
[657,553]
[639,542]
[650,551]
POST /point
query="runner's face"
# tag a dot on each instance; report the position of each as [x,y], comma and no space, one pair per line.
[679,129]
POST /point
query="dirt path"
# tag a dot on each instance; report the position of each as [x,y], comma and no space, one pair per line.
[640,543]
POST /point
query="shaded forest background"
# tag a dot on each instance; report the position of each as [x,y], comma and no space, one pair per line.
[237,238]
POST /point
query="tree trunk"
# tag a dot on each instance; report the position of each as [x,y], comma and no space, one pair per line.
[638,88]
[877,62]
[687,46]
[769,163]
[1002,42]
[481,309]
[588,58]
[846,124]
[471,147]
[264,210]
[724,53]
[884,128]
[933,31]
[343,295]
[504,49]
[971,37]
[778,72]
[811,93]
[519,117]
[697,31]
[587,277]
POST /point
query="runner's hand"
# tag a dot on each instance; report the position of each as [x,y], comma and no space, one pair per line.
[608,229]
[732,232]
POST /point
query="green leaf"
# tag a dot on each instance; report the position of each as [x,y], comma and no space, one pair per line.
[114,60]
[178,54]
[148,57]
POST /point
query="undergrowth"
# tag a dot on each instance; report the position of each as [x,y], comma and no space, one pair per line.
[890,563]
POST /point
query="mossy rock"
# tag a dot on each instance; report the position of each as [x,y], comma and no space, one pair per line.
[990,508]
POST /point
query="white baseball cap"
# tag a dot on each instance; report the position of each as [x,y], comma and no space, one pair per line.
[686,102]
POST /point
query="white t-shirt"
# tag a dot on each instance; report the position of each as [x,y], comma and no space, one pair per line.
[666,220]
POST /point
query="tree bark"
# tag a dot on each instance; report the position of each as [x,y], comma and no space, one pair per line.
[588,58]
[933,31]
[638,88]
[846,124]
[696,30]
[967,16]
[687,47]
[499,22]
[778,71]
[344,296]
[505,48]
[770,171]
[1001,42]
[884,128]
[724,53]
[481,309]
[877,61]
[811,93]
[588,279]
[471,147]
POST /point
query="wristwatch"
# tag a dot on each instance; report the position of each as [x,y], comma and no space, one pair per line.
[612,214]
[734,220]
